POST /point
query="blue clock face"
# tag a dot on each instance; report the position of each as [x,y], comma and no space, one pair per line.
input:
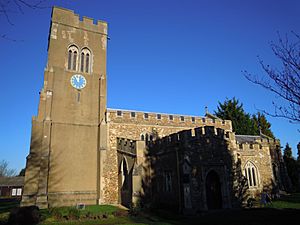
[78,81]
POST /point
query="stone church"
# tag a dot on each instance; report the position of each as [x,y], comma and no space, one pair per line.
[83,152]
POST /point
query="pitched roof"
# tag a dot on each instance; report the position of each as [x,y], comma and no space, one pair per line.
[11,181]
[247,138]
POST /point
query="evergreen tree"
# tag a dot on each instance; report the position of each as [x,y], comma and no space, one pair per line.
[261,125]
[242,122]
[233,110]
[287,152]
[22,173]
[292,167]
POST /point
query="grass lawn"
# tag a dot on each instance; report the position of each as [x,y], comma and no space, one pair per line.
[94,215]
[287,201]
[282,211]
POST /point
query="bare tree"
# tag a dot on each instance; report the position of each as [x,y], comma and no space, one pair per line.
[8,8]
[5,171]
[283,81]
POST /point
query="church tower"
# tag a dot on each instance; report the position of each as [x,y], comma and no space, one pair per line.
[69,134]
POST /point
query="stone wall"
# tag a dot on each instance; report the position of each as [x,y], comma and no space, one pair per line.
[132,125]
[257,153]
[191,155]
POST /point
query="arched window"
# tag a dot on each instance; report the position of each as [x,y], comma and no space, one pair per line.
[69,59]
[251,174]
[72,58]
[82,62]
[85,62]
[142,137]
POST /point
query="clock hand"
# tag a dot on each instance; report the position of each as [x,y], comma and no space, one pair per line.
[77,79]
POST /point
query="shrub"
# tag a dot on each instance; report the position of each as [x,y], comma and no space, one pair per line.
[28,215]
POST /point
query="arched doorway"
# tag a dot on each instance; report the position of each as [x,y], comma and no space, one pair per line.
[125,183]
[213,191]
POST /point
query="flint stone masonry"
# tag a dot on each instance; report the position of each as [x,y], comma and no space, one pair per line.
[83,152]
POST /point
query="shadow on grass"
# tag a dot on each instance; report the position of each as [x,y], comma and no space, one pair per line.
[235,217]
[292,198]
[8,203]
[254,216]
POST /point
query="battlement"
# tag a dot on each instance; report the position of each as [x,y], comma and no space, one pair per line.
[186,136]
[249,146]
[252,142]
[126,145]
[69,18]
[163,119]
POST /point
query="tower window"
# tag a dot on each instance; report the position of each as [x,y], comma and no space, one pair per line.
[171,117]
[69,60]
[132,114]
[72,58]
[182,118]
[158,116]
[82,62]
[85,61]
[193,119]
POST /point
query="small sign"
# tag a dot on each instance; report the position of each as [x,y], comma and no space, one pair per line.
[80,206]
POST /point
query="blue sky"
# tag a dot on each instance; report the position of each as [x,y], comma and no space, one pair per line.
[163,56]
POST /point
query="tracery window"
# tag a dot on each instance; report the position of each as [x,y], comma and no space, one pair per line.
[72,58]
[251,174]
[168,181]
[85,62]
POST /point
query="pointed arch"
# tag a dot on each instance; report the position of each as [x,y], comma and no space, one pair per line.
[123,171]
[252,174]
[72,59]
[85,61]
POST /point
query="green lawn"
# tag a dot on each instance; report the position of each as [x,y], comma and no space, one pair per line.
[287,202]
[94,215]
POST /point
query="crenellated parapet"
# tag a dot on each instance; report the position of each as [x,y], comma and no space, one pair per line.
[193,135]
[126,145]
[249,146]
[163,119]
[251,142]
[69,18]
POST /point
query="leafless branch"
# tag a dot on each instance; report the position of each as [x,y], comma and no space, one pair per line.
[284,82]
[9,7]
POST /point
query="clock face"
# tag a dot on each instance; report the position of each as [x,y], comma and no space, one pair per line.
[78,81]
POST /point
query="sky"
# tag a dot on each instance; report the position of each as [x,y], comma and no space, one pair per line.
[168,56]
